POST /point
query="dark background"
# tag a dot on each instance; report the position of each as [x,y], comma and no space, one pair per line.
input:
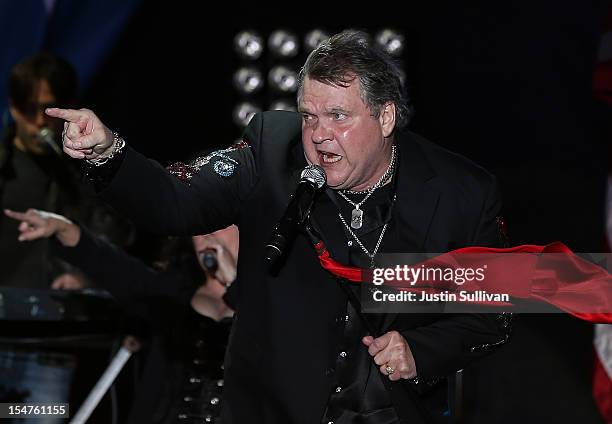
[508,84]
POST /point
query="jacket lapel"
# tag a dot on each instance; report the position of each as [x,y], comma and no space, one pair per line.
[417,201]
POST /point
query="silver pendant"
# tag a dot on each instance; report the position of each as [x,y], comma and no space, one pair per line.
[356,218]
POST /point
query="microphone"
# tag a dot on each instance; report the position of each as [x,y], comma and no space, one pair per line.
[312,179]
[209,261]
[48,137]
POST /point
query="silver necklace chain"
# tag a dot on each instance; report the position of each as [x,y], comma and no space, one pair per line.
[355,204]
[357,212]
[380,238]
[383,179]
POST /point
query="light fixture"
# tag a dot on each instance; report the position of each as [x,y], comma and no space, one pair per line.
[243,112]
[283,104]
[249,44]
[248,80]
[283,79]
[283,43]
[391,41]
[313,38]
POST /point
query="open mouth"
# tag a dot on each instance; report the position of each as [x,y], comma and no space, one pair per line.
[329,158]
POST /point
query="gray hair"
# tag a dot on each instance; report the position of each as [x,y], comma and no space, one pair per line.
[349,55]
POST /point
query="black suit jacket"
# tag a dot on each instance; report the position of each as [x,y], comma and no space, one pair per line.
[283,338]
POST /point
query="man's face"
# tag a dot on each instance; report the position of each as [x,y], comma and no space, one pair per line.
[340,134]
[31,118]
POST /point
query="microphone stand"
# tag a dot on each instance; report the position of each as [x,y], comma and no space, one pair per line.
[130,345]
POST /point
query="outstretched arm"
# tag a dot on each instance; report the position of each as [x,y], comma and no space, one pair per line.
[36,224]
[187,199]
[125,277]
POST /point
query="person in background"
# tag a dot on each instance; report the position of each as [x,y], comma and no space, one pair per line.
[33,172]
[181,300]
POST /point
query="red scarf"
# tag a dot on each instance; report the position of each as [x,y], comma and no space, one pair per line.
[559,278]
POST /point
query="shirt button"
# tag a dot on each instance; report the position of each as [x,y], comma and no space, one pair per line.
[338,389]
[350,243]
[343,354]
[330,422]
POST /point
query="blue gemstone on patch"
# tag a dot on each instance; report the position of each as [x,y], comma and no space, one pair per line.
[224,168]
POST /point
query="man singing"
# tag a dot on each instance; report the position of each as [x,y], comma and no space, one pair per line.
[301,351]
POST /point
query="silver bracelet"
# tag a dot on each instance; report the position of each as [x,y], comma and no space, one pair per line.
[118,145]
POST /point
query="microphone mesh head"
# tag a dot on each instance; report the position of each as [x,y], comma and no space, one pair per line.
[314,174]
[47,135]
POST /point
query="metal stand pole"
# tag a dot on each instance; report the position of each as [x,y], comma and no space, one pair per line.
[455,397]
[130,345]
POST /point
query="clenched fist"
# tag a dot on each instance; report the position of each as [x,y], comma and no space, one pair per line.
[392,354]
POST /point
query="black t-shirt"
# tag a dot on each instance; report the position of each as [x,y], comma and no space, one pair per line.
[25,264]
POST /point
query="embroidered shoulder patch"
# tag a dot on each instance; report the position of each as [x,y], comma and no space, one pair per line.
[182,171]
[223,165]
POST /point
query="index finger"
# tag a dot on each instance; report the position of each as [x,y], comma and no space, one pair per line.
[70,115]
[20,216]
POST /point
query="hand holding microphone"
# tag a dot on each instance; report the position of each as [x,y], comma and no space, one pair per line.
[219,263]
[312,179]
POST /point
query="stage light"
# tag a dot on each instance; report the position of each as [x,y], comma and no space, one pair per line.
[248,80]
[391,41]
[283,79]
[283,43]
[313,38]
[248,44]
[283,104]
[243,112]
